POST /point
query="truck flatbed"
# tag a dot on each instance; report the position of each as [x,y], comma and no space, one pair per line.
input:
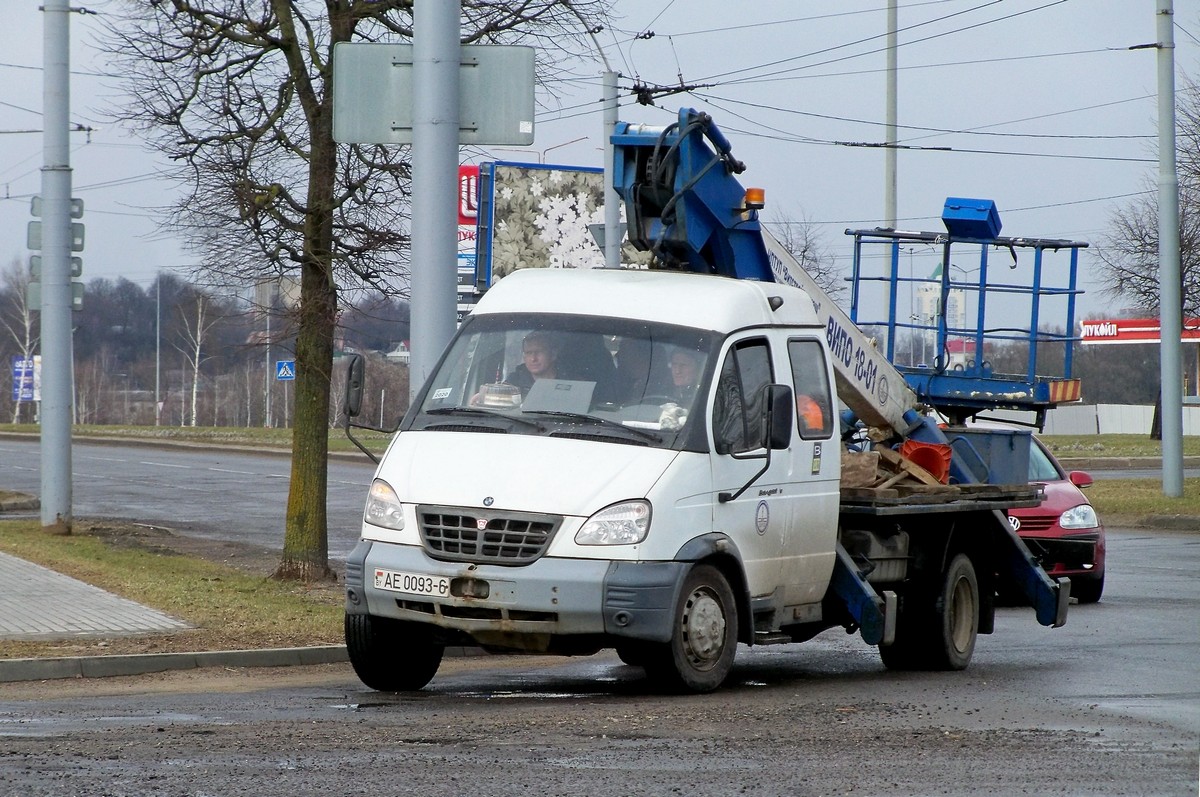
[917,499]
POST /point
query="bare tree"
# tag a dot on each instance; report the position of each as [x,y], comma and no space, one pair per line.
[803,241]
[1128,253]
[239,93]
[19,319]
[196,320]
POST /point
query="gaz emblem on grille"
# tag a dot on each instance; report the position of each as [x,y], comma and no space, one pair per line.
[481,523]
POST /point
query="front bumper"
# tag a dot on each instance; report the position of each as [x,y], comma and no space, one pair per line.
[526,607]
[1075,554]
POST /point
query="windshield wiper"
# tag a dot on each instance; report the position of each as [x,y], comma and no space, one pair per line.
[488,413]
[583,416]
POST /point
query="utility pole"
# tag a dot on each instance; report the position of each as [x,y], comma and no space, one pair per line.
[57,355]
[1170,305]
[436,58]
[889,151]
[267,369]
[612,201]
[158,350]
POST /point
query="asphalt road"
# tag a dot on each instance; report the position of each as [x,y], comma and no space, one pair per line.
[175,487]
[204,492]
[1107,705]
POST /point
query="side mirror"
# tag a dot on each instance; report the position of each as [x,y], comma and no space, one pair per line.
[354,385]
[779,416]
[1079,478]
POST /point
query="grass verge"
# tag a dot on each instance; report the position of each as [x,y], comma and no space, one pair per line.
[1112,445]
[228,607]
[1141,498]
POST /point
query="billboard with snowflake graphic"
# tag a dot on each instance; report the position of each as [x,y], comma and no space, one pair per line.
[536,216]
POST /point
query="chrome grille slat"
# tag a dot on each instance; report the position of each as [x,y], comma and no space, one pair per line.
[509,538]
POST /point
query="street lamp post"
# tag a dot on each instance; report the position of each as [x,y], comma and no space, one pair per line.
[158,349]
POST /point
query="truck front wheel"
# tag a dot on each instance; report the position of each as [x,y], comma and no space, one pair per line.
[391,655]
[938,634]
[704,636]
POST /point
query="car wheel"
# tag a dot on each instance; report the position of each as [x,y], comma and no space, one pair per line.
[390,655]
[704,636]
[633,653]
[1088,589]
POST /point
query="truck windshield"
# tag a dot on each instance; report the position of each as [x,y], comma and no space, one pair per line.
[612,378]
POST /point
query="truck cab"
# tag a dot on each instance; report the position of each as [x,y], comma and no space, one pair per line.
[605,458]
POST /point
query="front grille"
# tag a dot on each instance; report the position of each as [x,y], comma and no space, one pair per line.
[507,538]
[1031,523]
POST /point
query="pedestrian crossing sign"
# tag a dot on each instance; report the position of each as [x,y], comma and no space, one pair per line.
[285,370]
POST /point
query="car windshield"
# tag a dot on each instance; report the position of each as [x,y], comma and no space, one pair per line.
[1041,468]
[613,378]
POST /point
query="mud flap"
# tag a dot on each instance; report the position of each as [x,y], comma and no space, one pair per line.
[875,615]
[1048,598]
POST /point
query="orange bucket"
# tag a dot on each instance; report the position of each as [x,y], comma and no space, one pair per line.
[933,457]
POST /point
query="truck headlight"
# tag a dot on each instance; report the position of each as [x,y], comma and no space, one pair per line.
[625,523]
[383,507]
[1079,517]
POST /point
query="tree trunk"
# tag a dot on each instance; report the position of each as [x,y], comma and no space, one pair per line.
[306,539]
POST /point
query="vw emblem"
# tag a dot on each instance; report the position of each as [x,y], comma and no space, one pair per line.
[489,501]
[481,523]
[1014,522]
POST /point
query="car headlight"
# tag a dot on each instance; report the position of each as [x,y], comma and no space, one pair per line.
[625,523]
[1079,517]
[383,507]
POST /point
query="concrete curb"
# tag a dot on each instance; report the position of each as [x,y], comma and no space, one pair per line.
[1119,463]
[1163,523]
[13,670]
[26,504]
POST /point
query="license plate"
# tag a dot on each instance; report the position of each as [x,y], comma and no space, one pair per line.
[412,583]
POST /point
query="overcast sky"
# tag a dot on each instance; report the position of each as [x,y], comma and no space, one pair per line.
[1043,106]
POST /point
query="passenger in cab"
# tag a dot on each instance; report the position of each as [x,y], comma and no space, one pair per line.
[539,360]
[685,372]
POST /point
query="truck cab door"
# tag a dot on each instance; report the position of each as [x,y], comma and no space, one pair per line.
[808,540]
[757,518]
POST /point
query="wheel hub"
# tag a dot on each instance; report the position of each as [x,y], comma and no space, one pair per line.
[704,628]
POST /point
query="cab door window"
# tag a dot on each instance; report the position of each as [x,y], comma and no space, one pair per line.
[814,404]
[738,410]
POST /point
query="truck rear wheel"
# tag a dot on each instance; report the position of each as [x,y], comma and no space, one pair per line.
[391,655]
[938,634]
[704,637]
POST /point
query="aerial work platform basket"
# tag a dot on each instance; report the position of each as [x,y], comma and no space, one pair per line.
[987,311]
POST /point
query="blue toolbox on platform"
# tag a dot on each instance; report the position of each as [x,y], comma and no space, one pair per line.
[971,218]
[993,456]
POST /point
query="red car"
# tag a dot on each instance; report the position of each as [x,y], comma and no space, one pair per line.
[1064,534]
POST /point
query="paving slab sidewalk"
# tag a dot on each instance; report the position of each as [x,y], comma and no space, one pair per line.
[38,603]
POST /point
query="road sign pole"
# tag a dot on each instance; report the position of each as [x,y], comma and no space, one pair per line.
[436,58]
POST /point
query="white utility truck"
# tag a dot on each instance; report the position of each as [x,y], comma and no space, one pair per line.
[651,461]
